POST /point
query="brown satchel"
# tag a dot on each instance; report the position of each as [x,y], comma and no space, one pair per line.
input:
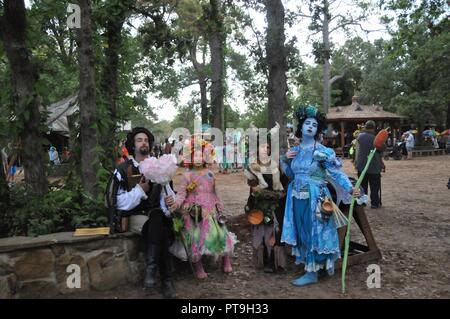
[133,180]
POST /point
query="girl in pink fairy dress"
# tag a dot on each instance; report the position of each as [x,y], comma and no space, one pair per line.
[203,231]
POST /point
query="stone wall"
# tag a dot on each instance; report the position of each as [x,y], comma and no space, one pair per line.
[37,267]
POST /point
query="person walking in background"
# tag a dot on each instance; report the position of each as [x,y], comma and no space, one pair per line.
[179,145]
[167,147]
[53,156]
[409,139]
[65,155]
[12,168]
[373,174]
[225,165]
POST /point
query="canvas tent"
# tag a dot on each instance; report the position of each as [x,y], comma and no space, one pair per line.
[58,112]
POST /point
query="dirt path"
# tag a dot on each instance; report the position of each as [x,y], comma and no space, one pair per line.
[412,230]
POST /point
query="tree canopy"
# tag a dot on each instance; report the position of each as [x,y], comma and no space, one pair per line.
[209,59]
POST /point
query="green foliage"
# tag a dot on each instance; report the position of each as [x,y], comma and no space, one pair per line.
[258,117]
[296,68]
[162,130]
[233,116]
[414,69]
[310,92]
[407,74]
[252,81]
[186,115]
[53,49]
[61,209]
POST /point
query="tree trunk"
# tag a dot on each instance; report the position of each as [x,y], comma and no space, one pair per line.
[4,190]
[326,58]
[4,200]
[200,71]
[448,115]
[25,98]
[109,84]
[203,100]
[216,44]
[86,97]
[276,63]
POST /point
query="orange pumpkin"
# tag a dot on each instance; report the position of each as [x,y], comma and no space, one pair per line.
[255,217]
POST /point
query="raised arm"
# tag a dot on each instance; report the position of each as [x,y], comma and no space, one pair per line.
[285,163]
[334,169]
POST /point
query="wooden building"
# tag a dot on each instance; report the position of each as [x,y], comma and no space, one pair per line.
[345,120]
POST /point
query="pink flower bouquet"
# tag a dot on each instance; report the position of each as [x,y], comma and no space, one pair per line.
[160,171]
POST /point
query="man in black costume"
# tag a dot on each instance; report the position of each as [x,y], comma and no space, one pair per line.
[130,198]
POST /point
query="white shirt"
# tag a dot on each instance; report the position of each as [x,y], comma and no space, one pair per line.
[129,200]
[410,140]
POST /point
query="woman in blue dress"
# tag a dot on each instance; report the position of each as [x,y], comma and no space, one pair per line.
[313,237]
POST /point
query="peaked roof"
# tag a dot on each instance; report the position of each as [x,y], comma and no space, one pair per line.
[356,111]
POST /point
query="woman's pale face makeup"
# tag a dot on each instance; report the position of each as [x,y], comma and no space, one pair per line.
[309,128]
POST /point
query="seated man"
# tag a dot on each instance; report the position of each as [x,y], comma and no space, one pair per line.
[145,205]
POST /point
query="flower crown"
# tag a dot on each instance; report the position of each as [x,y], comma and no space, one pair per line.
[200,144]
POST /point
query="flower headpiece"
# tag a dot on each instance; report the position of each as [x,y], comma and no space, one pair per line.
[198,144]
[309,111]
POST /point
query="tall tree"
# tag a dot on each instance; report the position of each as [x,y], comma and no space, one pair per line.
[419,52]
[87,101]
[326,54]
[250,64]
[165,38]
[191,27]
[200,68]
[276,64]
[325,22]
[115,14]
[13,33]
[217,47]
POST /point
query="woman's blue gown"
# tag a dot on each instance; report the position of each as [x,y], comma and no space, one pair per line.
[314,241]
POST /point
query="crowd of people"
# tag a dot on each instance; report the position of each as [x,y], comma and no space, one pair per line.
[289,204]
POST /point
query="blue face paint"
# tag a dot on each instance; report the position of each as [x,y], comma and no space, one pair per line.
[309,128]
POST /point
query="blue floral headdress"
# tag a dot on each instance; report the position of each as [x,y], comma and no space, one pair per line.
[304,112]
[310,111]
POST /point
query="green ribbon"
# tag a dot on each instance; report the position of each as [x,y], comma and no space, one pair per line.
[350,215]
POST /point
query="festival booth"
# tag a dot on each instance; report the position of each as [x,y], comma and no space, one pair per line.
[345,120]
[59,121]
